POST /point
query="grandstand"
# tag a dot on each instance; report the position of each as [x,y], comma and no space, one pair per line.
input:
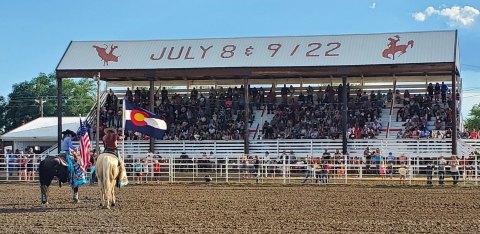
[250,95]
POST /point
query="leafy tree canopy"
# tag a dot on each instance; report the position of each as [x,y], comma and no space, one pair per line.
[473,122]
[22,104]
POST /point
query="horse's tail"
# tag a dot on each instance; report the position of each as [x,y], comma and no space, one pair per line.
[45,176]
[410,43]
[106,180]
[41,173]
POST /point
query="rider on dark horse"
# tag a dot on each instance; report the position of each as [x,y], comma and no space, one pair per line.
[76,174]
[67,145]
[63,167]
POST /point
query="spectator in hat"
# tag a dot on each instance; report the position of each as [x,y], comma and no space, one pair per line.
[442,163]
[266,158]
[390,158]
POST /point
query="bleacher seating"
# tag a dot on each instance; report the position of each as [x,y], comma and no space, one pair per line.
[311,112]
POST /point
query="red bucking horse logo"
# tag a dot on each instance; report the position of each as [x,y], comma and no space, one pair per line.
[393,48]
[106,57]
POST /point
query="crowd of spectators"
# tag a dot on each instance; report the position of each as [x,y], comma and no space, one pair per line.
[318,114]
[419,109]
[470,134]
[216,115]
[311,113]
[21,164]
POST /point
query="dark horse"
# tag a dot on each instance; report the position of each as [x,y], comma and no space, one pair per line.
[49,168]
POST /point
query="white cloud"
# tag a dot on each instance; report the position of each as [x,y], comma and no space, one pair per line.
[374,4]
[430,10]
[463,16]
[419,16]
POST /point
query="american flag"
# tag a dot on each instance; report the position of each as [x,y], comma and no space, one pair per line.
[84,146]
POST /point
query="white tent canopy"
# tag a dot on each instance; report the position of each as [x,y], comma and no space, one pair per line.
[41,129]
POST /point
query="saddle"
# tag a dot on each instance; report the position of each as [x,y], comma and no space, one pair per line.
[112,152]
[63,159]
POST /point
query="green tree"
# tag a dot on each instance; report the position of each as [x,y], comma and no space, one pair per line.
[78,97]
[473,122]
[3,105]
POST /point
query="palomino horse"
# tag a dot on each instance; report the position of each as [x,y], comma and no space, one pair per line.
[108,169]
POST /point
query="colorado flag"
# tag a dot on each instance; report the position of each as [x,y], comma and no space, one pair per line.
[143,121]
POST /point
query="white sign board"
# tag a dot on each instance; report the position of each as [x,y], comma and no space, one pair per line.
[305,51]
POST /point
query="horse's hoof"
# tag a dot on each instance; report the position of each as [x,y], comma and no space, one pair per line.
[113,204]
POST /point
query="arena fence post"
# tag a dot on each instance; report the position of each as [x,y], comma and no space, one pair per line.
[476,169]
[464,171]
[239,168]
[195,165]
[410,171]
[345,167]
[360,169]
[170,170]
[216,170]
[193,168]
[7,157]
[226,169]
[418,165]
[284,171]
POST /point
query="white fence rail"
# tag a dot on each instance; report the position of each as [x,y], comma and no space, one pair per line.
[341,169]
[421,148]
[303,148]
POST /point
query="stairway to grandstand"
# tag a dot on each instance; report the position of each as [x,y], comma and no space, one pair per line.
[395,126]
[255,129]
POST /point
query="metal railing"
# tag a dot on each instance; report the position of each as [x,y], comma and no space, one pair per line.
[301,147]
[284,169]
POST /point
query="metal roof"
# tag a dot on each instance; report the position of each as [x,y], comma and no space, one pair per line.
[41,129]
[272,57]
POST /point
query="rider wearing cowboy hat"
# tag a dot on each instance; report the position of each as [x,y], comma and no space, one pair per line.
[110,141]
[67,145]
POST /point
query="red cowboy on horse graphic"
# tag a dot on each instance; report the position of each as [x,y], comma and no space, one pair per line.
[393,48]
[106,57]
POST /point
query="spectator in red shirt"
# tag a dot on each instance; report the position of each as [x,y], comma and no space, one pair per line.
[473,135]
[156,170]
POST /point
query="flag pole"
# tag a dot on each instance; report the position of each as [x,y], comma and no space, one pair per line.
[79,116]
[97,124]
[123,129]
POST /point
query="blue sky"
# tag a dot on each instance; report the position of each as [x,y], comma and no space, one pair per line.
[34,34]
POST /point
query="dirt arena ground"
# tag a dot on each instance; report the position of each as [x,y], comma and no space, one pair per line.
[243,209]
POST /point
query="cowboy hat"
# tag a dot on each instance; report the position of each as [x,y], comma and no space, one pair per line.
[69,132]
[106,130]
